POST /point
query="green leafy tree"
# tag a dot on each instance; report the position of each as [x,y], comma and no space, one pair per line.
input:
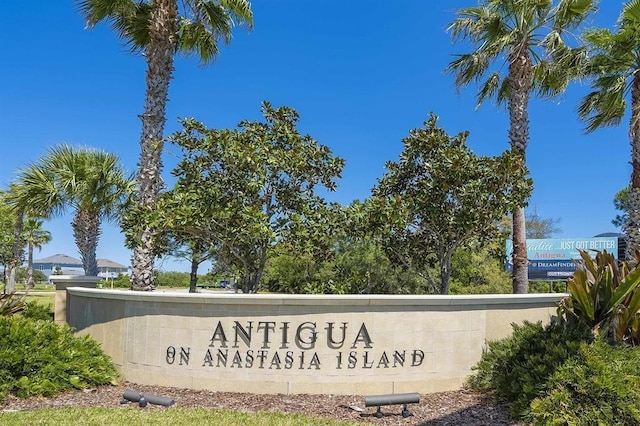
[90,182]
[35,236]
[539,227]
[475,270]
[159,29]
[440,196]
[294,272]
[172,279]
[614,64]
[196,250]
[241,188]
[621,203]
[22,274]
[355,266]
[527,40]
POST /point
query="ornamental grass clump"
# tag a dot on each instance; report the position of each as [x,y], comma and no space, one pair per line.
[43,358]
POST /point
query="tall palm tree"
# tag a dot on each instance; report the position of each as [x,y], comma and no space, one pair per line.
[159,29]
[520,47]
[35,236]
[89,181]
[614,64]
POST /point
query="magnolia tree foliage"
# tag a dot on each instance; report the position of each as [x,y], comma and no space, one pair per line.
[353,266]
[239,191]
[440,196]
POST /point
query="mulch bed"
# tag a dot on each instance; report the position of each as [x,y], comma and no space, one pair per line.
[463,407]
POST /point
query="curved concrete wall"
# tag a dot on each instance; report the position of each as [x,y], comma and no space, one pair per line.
[299,343]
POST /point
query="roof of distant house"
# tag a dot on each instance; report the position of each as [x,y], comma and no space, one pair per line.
[63,259]
[106,263]
[60,259]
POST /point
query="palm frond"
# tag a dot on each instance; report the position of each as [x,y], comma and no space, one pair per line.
[240,11]
[630,16]
[598,38]
[490,88]
[209,23]
[503,92]
[572,13]
[128,18]
[196,39]
[606,106]
[95,11]
[469,23]
[550,79]
[468,67]
[509,29]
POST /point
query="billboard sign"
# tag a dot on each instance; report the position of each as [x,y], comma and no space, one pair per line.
[553,259]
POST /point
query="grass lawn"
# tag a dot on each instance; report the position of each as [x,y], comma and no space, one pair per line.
[37,288]
[171,416]
[42,299]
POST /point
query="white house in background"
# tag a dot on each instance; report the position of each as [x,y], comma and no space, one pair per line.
[71,266]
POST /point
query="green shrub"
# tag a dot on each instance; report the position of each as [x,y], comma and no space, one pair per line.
[516,368]
[121,281]
[37,311]
[172,279]
[600,386]
[43,358]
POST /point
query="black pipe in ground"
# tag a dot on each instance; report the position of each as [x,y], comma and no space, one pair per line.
[135,396]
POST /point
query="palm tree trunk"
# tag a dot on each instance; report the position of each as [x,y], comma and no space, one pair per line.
[159,56]
[632,226]
[86,232]
[519,256]
[30,283]
[520,78]
[17,252]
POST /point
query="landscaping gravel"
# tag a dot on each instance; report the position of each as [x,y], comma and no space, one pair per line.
[463,407]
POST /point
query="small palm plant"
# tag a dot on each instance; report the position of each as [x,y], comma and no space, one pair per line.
[605,295]
[92,182]
[11,304]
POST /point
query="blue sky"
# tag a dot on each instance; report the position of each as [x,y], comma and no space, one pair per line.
[361,74]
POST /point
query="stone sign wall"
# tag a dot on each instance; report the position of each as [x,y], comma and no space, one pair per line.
[299,344]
